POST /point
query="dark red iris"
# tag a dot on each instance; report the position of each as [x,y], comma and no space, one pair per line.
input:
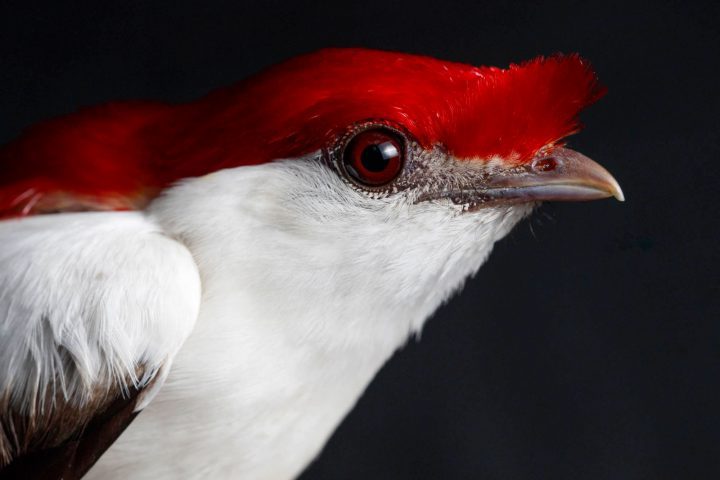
[374,157]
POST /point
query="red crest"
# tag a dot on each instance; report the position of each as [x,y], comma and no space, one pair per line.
[119,156]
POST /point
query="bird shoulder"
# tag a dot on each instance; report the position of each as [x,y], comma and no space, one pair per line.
[93,307]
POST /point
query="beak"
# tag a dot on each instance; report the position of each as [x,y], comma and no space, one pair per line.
[561,175]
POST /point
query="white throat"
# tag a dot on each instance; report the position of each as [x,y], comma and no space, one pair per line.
[308,287]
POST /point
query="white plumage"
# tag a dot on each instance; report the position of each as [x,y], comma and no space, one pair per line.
[87,299]
[279,355]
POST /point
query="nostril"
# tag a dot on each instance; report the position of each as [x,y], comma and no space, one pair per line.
[547,164]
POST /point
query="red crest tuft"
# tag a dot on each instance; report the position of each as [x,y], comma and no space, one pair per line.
[119,156]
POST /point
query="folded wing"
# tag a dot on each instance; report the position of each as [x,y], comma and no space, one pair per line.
[93,308]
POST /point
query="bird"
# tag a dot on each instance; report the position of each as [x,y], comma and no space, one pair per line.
[204,289]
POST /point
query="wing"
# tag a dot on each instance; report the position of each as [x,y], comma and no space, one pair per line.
[93,308]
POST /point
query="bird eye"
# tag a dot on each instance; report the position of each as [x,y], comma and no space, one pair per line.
[374,157]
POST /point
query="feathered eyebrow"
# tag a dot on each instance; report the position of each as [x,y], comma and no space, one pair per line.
[121,155]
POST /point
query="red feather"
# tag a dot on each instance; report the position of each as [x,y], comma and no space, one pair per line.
[118,156]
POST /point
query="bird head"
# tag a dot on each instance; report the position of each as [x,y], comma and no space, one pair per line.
[361,187]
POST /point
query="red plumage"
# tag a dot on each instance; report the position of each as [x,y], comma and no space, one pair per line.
[118,156]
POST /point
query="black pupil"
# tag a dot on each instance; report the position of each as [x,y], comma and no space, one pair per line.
[375,158]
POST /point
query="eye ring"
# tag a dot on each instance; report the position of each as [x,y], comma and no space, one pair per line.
[374,156]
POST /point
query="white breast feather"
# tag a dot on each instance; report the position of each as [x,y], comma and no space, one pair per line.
[308,287]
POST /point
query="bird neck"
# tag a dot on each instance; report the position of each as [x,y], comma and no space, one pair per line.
[306,293]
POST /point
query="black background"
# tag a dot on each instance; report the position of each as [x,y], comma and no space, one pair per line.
[589,345]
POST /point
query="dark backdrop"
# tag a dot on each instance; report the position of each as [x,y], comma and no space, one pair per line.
[589,345]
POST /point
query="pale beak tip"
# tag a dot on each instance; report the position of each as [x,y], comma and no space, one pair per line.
[616,191]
